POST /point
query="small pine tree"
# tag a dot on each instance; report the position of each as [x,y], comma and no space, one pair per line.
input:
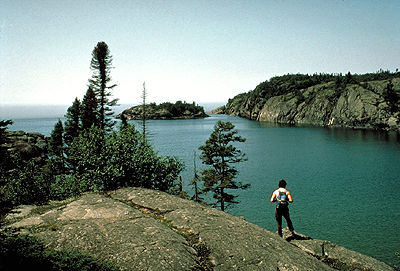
[89,109]
[72,124]
[124,121]
[221,156]
[56,143]
[392,98]
[56,148]
[3,152]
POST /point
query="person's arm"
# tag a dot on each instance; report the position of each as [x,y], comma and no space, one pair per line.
[289,197]
[273,197]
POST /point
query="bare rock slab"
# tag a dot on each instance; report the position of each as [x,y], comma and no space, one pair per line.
[141,229]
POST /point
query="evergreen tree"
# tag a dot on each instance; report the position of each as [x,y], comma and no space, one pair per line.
[124,121]
[3,128]
[221,155]
[101,65]
[72,124]
[56,139]
[3,152]
[56,147]
[391,97]
[89,109]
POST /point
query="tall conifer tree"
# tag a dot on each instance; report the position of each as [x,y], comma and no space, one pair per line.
[101,65]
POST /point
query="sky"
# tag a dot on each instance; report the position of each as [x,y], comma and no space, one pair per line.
[202,51]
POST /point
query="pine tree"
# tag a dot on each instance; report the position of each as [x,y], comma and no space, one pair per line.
[391,97]
[72,124]
[124,121]
[221,155]
[4,159]
[56,146]
[101,65]
[89,109]
[56,142]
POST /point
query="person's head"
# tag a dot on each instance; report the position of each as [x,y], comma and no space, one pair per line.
[282,183]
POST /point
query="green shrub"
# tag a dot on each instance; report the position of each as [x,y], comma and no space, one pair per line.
[95,161]
[120,159]
[28,183]
[23,252]
[64,187]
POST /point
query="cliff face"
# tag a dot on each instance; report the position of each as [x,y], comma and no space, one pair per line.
[141,229]
[356,105]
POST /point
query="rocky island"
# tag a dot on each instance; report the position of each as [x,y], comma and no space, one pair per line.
[142,229]
[165,111]
[356,101]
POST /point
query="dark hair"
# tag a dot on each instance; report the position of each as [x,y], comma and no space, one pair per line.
[282,183]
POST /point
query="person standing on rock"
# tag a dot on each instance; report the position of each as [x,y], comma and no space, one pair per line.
[282,197]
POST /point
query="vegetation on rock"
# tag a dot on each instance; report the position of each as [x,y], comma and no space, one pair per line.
[178,110]
[24,252]
[366,101]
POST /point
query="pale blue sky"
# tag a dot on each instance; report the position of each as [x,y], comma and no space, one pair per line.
[201,51]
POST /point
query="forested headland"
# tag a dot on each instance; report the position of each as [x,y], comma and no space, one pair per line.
[351,100]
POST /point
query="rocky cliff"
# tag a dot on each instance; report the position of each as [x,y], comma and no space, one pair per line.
[356,104]
[140,229]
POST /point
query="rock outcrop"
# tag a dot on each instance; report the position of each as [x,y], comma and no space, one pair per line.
[164,111]
[140,229]
[26,145]
[355,105]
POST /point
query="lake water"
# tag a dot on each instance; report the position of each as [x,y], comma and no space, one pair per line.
[344,182]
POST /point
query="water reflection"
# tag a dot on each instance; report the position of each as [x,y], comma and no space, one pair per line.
[346,134]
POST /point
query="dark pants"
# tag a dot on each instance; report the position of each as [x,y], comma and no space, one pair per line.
[282,210]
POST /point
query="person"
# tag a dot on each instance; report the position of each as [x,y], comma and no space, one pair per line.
[282,197]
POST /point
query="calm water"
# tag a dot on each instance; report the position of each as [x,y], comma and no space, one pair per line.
[345,183]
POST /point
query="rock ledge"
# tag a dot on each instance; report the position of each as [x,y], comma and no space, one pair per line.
[141,229]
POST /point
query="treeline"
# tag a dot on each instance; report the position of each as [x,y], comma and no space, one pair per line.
[179,108]
[87,152]
[280,85]
[254,100]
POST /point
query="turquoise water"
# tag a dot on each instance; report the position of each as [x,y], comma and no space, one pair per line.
[344,182]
